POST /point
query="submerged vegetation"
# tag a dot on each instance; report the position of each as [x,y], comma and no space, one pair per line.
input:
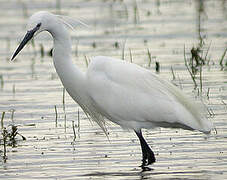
[8,135]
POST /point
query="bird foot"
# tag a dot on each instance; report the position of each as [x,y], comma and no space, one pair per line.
[148,158]
[151,158]
[145,168]
[148,155]
[144,165]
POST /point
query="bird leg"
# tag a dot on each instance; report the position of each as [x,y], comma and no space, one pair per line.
[148,155]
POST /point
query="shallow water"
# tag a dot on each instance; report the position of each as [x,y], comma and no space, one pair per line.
[31,87]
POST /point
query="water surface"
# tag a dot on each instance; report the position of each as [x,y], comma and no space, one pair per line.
[32,88]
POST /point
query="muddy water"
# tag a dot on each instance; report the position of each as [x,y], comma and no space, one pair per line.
[31,88]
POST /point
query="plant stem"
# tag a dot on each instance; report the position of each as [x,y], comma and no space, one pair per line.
[222,58]
[56,116]
[200,78]
[149,56]
[131,58]
[186,64]
[74,132]
[3,115]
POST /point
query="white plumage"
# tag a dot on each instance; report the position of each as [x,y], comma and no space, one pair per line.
[135,98]
[124,93]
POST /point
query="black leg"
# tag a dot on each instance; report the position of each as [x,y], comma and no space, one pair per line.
[148,155]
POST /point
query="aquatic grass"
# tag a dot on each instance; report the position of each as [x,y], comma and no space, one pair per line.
[56,116]
[196,60]
[180,82]
[136,12]
[32,66]
[12,115]
[157,66]
[2,81]
[58,6]
[123,50]
[208,49]
[211,112]
[14,89]
[86,60]
[222,58]
[14,132]
[208,93]
[33,46]
[208,61]
[149,58]
[76,48]
[4,137]
[78,122]
[125,10]
[145,42]
[94,45]
[42,52]
[25,10]
[190,72]
[223,102]
[63,106]
[8,44]
[225,105]
[200,79]
[9,135]
[131,57]
[50,52]
[53,76]
[2,118]
[195,64]
[74,132]
[116,45]
[200,10]
[173,74]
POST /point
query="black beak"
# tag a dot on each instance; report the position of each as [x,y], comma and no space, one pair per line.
[27,37]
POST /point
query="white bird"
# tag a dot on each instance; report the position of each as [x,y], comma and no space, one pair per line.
[121,92]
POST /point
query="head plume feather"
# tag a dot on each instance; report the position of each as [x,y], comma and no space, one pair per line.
[71,23]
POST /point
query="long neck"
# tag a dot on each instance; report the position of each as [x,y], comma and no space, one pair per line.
[72,78]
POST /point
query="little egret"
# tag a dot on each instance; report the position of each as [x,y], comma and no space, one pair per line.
[124,93]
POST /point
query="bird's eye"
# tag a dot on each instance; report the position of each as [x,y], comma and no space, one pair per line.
[38,25]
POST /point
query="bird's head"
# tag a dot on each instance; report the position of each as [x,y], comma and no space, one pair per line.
[44,21]
[37,23]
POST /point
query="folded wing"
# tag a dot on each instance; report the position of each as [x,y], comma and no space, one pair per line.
[133,97]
